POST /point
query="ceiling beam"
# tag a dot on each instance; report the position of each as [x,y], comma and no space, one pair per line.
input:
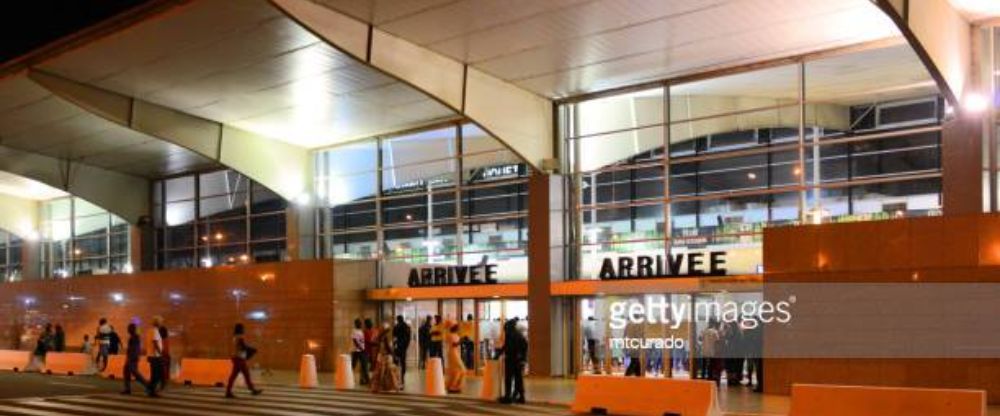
[941,38]
[124,195]
[519,118]
[282,167]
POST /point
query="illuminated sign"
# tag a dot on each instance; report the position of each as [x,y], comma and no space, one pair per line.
[674,265]
[494,173]
[453,275]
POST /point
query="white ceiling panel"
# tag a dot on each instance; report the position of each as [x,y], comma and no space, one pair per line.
[565,47]
[37,121]
[254,68]
[22,187]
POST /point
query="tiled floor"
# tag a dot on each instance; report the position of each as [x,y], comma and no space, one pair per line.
[558,391]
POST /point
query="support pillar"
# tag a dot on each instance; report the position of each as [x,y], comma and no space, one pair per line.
[539,276]
[962,165]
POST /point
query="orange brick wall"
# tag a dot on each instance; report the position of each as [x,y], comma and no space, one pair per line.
[939,249]
[198,305]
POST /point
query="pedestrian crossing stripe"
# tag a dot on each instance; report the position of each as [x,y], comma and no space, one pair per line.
[276,401]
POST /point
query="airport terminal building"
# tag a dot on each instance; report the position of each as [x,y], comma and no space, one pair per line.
[297,164]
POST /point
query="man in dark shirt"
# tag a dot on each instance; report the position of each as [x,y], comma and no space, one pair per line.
[424,342]
[401,336]
[132,352]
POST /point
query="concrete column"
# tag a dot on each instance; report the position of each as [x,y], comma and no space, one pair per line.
[539,276]
[962,165]
[300,232]
[31,259]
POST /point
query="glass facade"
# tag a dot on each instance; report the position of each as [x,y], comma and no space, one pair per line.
[10,256]
[706,164]
[80,238]
[217,218]
[447,196]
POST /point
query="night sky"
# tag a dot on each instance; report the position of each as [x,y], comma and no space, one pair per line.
[29,24]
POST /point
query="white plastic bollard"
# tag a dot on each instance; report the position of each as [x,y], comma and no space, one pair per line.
[307,372]
[491,380]
[344,379]
[435,378]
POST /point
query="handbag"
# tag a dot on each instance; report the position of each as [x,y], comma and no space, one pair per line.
[250,352]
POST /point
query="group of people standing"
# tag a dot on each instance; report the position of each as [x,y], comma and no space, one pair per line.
[381,353]
[731,348]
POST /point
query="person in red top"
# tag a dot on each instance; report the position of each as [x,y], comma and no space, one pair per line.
[371,340]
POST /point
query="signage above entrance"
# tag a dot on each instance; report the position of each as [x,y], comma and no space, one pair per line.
[694,264]
[480,274]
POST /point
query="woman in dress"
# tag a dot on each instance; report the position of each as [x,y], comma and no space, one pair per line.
[456,369]
[386,374]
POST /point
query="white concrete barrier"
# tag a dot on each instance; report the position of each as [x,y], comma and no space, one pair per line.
[343,373]
[307,372]
[434,380]
[491,380]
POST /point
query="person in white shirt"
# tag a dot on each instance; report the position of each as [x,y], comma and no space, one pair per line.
[709,349]
[103,338]
[155,352]
[358,351]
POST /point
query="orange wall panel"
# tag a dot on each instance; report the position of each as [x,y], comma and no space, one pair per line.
[200,307]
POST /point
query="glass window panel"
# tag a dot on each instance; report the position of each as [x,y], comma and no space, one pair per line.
[179,237]
[178,213]
[896,199]
[223,206]
[485,158]
[225,254]
[623,224]
[91,225]
[179,189]
[596,152]
[352,246]
[265,200]
[407,244]
[225,232]
[119,244]
[221,182]
[268,251]
[90,247]
[347,173]
[82,208]
[178,259]
[89,267]
[58,209]
[266,227]
[737,93]
[355,215]
[502,199]
[618,112]
[400,210]
[424,160]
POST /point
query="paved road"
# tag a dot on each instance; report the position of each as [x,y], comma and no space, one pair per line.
[24,385]
[276,401]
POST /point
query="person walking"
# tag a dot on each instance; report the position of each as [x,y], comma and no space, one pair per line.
[164,356]
[59,339]
[437,338]
[401,335]
[515,351]
[634,331]
[116,342]
[467,332]
[42,346]
[242,352]
[455,380]
[371,335]
[590,337]
[131,370]
[709,351]
[423,342]
[358,351]
[154,352]
[385,377]
[103,338]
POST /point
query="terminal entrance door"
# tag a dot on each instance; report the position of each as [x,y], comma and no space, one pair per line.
[480,323]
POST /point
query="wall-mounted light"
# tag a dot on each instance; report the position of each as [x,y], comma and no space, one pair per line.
[127,268]
[176,297]
[117,297]
[207,262]
[257,316]
[975,103]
